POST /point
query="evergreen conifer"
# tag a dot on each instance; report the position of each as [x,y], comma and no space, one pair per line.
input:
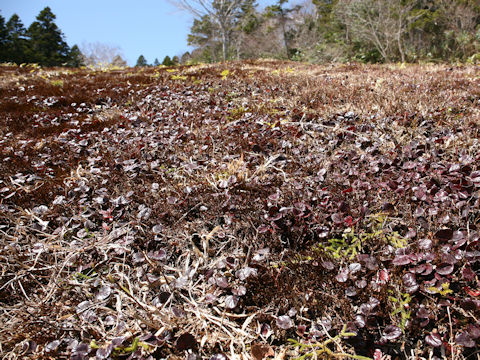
[141,61]
[3,39]
[75,57]
[47,43]
[16,40]
[167,61]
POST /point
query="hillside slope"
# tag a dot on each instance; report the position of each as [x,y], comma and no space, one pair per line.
[216,211]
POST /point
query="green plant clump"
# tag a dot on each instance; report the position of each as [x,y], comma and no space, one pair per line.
[401,307]
[350,243]
[322,348]
[346,247]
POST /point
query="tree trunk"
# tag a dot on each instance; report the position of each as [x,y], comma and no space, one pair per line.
[400,33]
[285,39]
[400,47]
[224,43]
[238,46]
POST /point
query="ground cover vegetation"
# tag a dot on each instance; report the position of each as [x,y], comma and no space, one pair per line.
[246,209]
[335,30]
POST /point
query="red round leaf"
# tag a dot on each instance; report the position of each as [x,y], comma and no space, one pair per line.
[444,234]
[445,269]
[434,340]
[392,332]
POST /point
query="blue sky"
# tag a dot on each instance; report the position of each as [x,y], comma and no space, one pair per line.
[153,28]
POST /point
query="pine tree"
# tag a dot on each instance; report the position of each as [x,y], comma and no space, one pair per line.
[247,22]
[156,62]
[167,61]
[76,58]
[3,39]
[279,12]
[141,61]
[185,57]
[16,40]
[247,19]
[204,36]
[48,46]
[220,12]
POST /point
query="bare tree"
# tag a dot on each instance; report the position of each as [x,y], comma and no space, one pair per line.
[300,30]
[284,16]
[222,12]
[100,54]
[118,61]
[460,21]
[382,23]
[265,41]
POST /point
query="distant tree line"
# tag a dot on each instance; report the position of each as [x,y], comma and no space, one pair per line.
[42,43]
[335,30]
[314,31]
[167,61]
